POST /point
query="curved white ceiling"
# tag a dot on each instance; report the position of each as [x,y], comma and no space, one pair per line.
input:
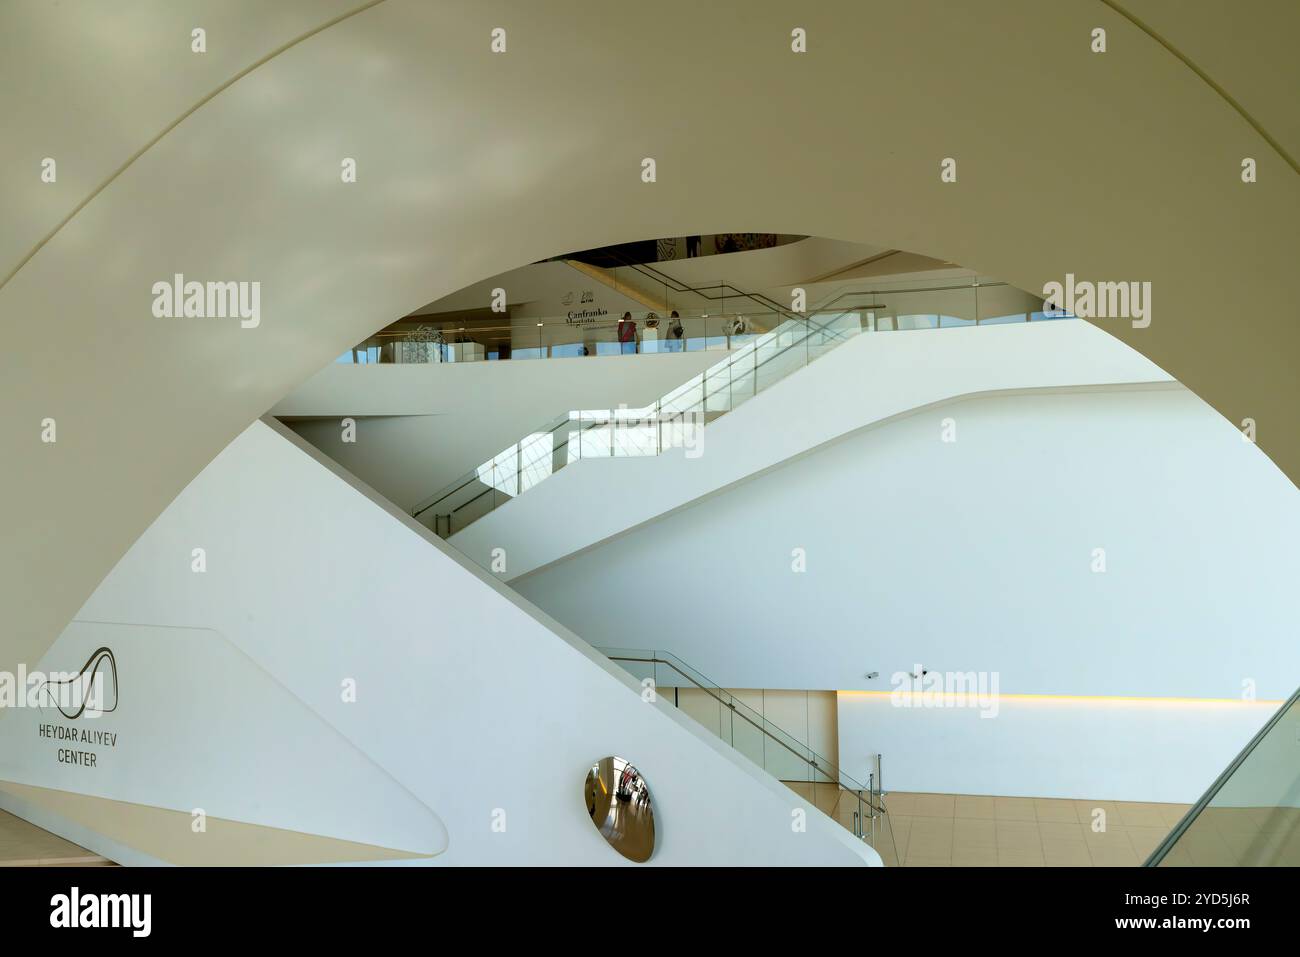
[103,80]
[1245,47]
[1116,166]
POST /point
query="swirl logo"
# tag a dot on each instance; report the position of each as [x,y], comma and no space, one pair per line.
[83,693]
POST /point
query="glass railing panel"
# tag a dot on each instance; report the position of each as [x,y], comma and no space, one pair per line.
[474,508]
[718,381]
[822,796]
[569,446]
[787,758]
[786,354]
[717,388]
[827,332]
[880,834]
[634,433]
[502,471]
[762,348]
[780,741]
[1251,815]
[729,384]
[590,435]
[736,718]
[704,708]
[785,755]
[537,457]
[680,431]
[685,397]
[465,491]
[742,390]
[747,734]
[830,796]
[719,318]
[771,344]
[743,364]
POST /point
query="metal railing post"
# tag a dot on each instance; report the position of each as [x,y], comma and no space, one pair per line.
[871,808]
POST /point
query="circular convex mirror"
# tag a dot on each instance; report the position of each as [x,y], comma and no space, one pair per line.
[618,800]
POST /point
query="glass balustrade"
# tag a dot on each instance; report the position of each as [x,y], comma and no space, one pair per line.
[711,316]
[753,361]
[1250,817]
[673,421]
[858,806]
[727,325]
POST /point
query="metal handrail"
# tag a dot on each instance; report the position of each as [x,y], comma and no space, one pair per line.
[473,475]
[679,286]
[812,324]
[857,789]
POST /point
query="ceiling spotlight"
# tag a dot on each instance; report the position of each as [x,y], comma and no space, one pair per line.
[872,674]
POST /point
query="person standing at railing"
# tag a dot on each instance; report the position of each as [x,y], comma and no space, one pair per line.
[627,334]
[673,340]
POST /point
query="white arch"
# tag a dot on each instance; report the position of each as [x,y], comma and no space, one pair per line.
[1122,166]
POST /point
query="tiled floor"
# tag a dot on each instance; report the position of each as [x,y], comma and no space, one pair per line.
[26,845]
[928,830]
[954,830]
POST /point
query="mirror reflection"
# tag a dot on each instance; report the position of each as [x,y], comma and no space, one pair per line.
[618,800]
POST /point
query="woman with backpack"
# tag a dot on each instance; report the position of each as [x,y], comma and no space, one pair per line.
[673,342]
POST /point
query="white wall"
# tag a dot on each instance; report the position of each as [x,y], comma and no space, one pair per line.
[466,697]
[1069,748]
[198,724]
[420,427]
[975,555]
[867,379]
